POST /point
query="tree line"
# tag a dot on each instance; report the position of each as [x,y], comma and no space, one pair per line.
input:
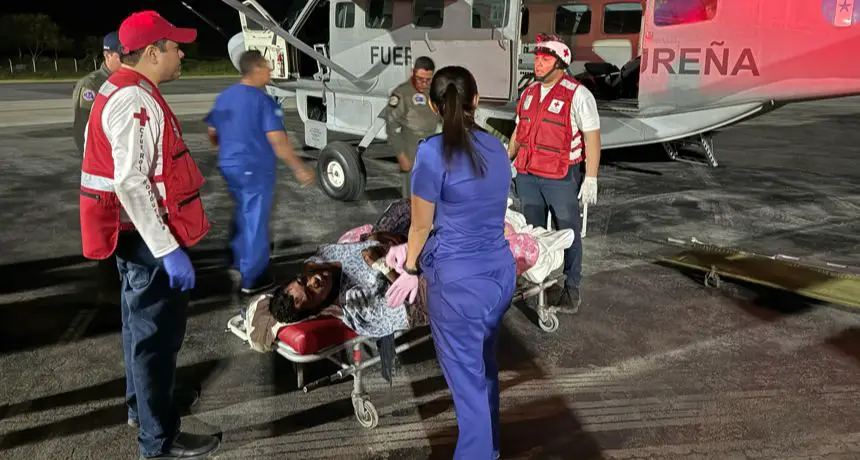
[37,35]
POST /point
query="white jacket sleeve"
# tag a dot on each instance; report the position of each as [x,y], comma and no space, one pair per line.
[134,123]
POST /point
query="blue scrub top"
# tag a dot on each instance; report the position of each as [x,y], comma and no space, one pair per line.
[242,115]
[469,224]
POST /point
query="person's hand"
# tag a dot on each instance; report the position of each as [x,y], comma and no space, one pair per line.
[403,161]
[179,270]
[396,257]
[305,175]
[356,297]
[405,288]
[588,191]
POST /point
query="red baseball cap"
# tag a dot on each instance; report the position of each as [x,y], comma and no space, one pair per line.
[144,28]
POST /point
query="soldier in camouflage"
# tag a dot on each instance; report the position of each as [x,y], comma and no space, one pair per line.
[410,118]
[87,87]
[83,97]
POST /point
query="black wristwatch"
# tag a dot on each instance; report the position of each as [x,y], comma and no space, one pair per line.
[414,272]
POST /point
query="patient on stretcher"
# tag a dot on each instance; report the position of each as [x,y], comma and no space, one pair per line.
[345,280]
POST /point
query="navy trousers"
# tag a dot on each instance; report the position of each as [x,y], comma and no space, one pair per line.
[539,195]
[154,317]
[465,315]
[253,192]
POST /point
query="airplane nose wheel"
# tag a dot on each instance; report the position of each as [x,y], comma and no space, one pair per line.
[341,171]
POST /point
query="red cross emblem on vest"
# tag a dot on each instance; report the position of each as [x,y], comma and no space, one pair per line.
[142,116]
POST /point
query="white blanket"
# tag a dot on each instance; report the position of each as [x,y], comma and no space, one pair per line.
[552,244]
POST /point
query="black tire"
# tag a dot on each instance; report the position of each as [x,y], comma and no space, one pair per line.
[349,172]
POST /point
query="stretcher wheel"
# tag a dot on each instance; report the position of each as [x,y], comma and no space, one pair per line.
[366,414]
[549,322]
[341,171]
[712,279]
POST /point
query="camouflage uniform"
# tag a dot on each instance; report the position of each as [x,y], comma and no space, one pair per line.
[409,120]
[83,97]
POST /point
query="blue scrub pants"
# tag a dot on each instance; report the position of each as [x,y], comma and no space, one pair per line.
[253,193]
[465,315]
[154,317]
[539,195]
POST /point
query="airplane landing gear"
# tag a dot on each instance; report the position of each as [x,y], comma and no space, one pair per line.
[704,143]
[341,171]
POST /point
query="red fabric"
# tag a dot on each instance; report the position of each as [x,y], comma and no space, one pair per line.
[147,27]
[544,132]
[312,335]
[100,209]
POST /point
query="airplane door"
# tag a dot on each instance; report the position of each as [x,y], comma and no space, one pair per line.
[482,36]
[272,46]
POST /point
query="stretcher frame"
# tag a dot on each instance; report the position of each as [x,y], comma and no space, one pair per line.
[547,314]
[353,365]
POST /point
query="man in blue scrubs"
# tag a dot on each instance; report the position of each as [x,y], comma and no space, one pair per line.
[247,127]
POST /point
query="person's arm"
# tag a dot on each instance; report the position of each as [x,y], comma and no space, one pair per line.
[427,178]
[84,98]
[513,146]
[134,124]
[394,122]
[587,119]
[276,132]
[211,120]
[213,137]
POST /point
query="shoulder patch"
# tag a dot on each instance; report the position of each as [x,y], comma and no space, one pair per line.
[568,84]
[419,99]
[394,100]
[88,95]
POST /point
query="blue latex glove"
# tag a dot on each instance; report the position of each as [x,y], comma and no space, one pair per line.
[179,269]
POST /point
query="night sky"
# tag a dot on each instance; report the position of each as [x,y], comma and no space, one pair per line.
[79,19]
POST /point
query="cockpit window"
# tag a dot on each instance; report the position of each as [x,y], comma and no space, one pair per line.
[572,19]
[489,14]
[677,12]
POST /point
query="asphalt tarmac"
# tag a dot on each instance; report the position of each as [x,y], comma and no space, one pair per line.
[656,366]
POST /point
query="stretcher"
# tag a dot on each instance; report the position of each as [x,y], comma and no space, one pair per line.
[833,283]
[326,337]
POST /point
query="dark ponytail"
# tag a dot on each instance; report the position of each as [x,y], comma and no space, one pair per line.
[453,92]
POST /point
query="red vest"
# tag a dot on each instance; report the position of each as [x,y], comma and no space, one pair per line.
[177,189]
[544,133]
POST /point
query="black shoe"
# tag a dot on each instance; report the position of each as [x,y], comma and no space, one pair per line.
[184,398]
[190,446]
[570,300]
[265,282]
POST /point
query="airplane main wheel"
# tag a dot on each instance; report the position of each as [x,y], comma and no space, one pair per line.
[341,171]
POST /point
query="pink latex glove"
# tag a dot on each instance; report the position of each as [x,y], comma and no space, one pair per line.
[396,258]
[405,287]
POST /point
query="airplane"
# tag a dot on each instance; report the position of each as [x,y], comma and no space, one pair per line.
[690,74]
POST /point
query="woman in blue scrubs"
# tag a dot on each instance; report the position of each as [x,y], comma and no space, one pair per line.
[460,183]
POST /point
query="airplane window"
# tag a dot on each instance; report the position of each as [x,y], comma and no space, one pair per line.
[572,19]
[622,18]
[251,24]
[344,15]
[379,14]
[428,13]
[676,12]
[524,22]
[489,14]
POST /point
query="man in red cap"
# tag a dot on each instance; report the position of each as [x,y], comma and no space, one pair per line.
[140,201]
